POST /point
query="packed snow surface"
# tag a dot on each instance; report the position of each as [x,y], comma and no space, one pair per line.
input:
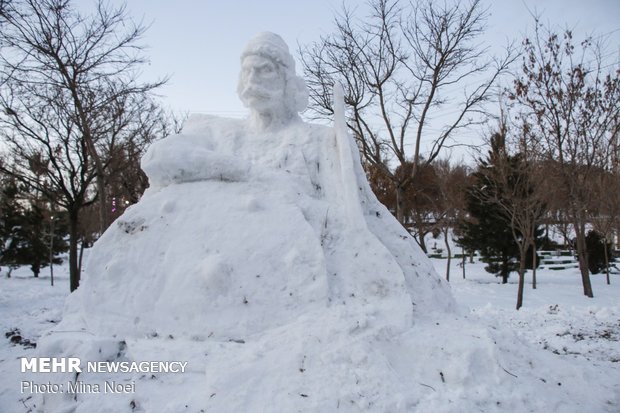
[571,341]
[251,271]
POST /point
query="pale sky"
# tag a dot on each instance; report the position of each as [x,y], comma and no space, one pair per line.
[198,42]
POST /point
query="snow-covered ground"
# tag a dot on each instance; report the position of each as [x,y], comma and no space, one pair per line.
[556,315]
[556,318]
[29,307]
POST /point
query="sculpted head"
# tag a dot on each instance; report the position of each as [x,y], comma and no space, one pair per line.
[268,84]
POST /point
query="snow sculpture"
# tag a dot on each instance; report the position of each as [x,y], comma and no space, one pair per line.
[257,221]
[252,231]
[261,258]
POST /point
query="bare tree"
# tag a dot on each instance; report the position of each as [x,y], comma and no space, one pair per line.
[38,137]
[520,193]
[573,101]
[451,182]
[93,61]
[71,102]
[401,66]
[557,217]
[605,209]
[417,203]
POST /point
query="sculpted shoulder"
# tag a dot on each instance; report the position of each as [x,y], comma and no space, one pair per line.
[314,132]
[210,126]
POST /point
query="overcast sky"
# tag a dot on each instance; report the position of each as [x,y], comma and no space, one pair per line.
[198,42]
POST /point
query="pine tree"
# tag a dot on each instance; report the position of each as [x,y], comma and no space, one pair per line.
[487,228]
[10,231]
[25,234]
[596,246]
[34,251]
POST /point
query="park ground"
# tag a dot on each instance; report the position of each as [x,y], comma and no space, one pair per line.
[556,316]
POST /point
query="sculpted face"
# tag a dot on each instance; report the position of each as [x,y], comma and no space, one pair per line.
[262,84]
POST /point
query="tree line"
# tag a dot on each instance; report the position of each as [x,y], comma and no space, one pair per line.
[554,154]
[75,116]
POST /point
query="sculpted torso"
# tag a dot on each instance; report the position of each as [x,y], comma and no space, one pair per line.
[272,139]
[212,148]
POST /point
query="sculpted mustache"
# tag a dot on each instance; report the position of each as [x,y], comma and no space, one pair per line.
[257,91]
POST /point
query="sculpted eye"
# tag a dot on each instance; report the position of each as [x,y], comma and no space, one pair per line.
[266,69]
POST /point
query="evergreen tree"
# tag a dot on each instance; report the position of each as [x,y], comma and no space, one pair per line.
[34,251]
[596,245]
[10,231]
[487,228]
[25,232]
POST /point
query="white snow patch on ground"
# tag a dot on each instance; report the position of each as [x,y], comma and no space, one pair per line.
[566,340]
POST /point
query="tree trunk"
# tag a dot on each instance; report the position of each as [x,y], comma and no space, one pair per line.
[421,240]
[102,192]
[52,250]
[104,214]
[582,255]
[464,261]
[521,277]
[81,254]
[505,273]
[534,264]
[74,271]
[400,204]
[606,260]
[445,237]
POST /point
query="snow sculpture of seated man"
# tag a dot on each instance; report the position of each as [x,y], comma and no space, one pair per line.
[261,232]
[260,221]
[366,253]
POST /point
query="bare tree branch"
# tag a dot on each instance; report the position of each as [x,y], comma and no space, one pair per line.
[398,67]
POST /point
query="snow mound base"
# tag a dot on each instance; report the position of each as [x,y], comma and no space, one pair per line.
[245,262]
[342,361]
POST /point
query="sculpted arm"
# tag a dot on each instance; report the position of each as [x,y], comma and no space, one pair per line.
[178,159]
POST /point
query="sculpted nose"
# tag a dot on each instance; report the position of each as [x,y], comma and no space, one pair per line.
[251,75]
